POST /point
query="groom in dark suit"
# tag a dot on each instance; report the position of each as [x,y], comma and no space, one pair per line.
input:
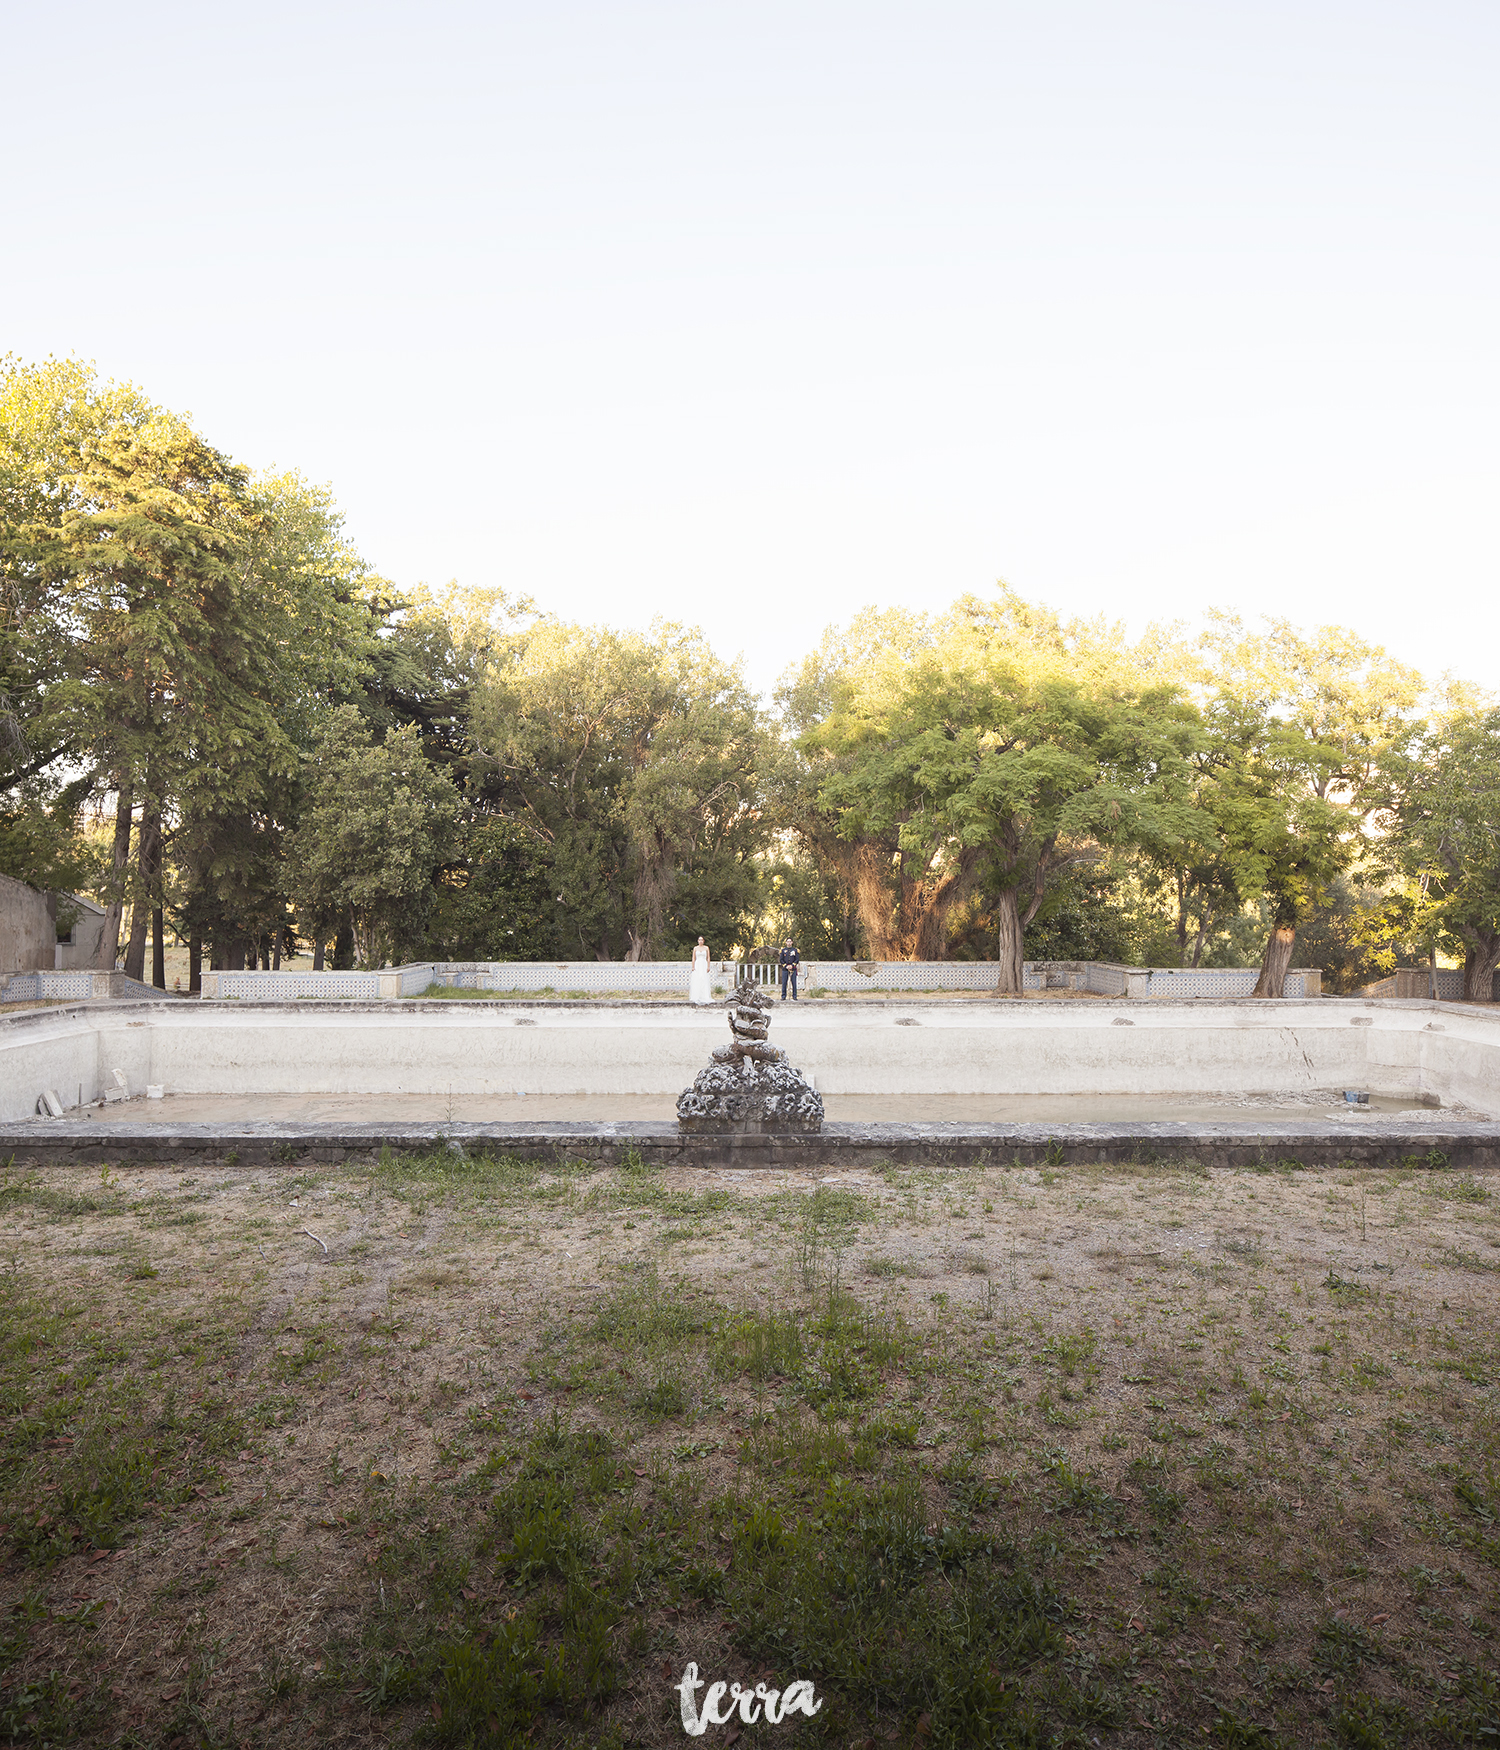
[788,961]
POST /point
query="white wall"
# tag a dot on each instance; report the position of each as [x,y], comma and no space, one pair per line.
[1005,1048]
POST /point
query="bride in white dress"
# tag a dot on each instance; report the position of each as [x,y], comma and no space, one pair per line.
[699,990]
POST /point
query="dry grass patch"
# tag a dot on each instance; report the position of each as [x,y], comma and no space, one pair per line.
[1117,1456]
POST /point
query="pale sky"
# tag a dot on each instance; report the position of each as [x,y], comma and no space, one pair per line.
[750,315]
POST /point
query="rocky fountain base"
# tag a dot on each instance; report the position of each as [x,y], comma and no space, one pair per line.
[750,1089]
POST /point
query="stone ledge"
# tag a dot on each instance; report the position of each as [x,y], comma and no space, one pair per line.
[63,1142]
[981,1000]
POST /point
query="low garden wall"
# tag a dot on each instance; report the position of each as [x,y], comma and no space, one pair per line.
[71,986]
[659,977]
[1416,981]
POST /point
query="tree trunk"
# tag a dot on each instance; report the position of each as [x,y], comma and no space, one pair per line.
[637,948]
[134,957]
[1479,965]
[872,900]
[195,964]
[1275,961]
[343,948]
[933,900]
[318,955]
[1182,920]
[148,856]
[1010,947]
[276,951]
[158,949]
[109,939]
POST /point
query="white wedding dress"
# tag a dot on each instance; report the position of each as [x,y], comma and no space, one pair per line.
[699,990]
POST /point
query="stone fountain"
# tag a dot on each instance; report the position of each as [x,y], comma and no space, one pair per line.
[750,1089]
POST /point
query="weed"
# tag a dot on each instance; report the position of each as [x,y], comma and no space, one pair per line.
[1466,1189]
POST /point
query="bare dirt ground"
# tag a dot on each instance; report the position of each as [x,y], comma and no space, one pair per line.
[1115,1456]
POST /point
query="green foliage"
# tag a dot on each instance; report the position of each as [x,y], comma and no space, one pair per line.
[494,898]
[1007,748]
[375,828]
[184,641]
[1302,731]
[1090,913]
[633,759]
[1444,812]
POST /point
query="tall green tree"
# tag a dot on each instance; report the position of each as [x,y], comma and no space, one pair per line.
[374,831]
[318,612]
[177,626]
[1443,819]
[1011,750]
[632,761]
[494,896]
[880,897]
[159,690]
[48,413]
[1304,727]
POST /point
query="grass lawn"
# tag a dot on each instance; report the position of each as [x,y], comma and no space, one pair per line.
[1127,1456]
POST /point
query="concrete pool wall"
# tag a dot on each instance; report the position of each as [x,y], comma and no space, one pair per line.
[1441,1052]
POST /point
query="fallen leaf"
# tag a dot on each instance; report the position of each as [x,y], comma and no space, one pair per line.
[172,1693]
[527,1396]
[468,1596]
[640,1473]
[1375,1621]
[923,1725]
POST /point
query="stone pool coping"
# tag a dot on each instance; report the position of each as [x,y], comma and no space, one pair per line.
[65,1142]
